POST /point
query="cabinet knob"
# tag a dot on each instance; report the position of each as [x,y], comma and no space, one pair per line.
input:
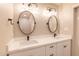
[51,46]
[52,55]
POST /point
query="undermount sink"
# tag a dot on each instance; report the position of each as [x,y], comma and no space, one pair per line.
[61,36]
[57,37]
[28,42]
[21,42]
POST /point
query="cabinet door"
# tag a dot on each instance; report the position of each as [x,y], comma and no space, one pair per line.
[38,51]
[63,48]
[33,52]
[67,48]
[51,50]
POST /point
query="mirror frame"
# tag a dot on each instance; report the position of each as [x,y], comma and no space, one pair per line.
[49,25]
[33,20]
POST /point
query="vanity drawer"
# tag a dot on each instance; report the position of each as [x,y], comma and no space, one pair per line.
[51,50]
[33,52]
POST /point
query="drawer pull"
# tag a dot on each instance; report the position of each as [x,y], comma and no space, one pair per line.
[65,46]
[51,46]
[52,55]
[7,54]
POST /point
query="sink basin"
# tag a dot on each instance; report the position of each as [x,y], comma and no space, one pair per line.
[61,36]
[21,42]
[26,42]
[57,37]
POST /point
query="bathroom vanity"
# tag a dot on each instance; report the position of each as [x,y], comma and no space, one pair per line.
[50,46]
[47,45]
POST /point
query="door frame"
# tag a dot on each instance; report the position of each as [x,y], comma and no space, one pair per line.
[73,36]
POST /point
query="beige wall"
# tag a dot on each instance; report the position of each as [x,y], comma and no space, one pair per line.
[66,18]
[41,18]
[6,11]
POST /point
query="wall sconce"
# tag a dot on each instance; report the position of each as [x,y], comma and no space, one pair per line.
[23,3]
[32,4]
[29,6]
[52,11]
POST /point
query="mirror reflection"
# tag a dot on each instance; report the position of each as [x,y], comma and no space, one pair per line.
[26,22]
[52,24]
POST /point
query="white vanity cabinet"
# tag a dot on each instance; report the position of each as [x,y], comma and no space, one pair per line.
[59,49]
[62,48]
[51,50]
[32,52]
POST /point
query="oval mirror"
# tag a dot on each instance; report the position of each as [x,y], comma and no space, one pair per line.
[26,22]
[52,24]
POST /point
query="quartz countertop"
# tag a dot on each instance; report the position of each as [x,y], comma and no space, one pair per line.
[14,45]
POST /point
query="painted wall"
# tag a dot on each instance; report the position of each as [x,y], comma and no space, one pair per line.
[41,18]
[6,11]
[66,18]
